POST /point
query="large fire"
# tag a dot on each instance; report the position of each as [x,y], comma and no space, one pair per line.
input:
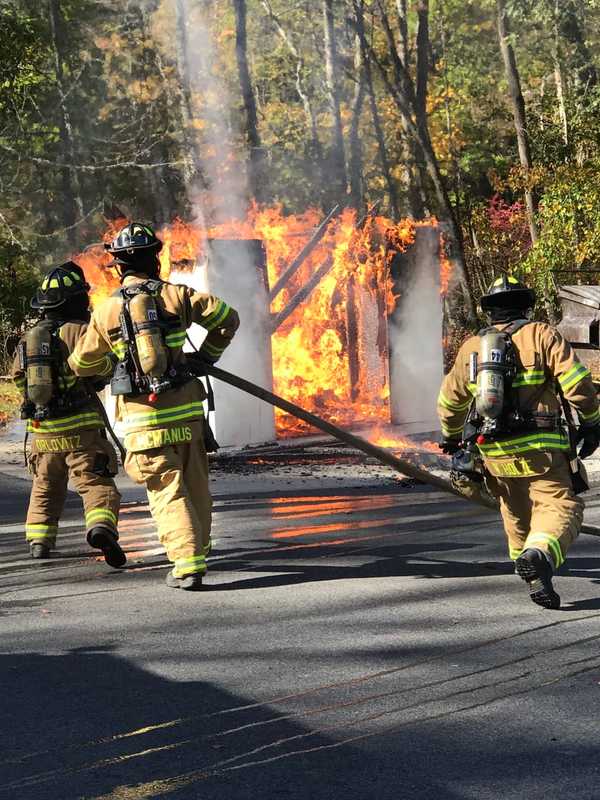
[319,360]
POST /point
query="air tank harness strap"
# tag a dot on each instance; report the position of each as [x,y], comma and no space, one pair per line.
[510,329]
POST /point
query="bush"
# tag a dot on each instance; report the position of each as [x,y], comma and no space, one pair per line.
[18,282]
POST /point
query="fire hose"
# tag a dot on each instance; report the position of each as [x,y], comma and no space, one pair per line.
[357,442]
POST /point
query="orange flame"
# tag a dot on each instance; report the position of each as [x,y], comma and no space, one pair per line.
[330,355]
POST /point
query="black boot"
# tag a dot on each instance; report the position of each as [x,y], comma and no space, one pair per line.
[39,550]
[534,568]
[191,583]
[105,540]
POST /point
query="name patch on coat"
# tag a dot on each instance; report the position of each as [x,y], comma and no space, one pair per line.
[161,437]
[58,444]
[515,468]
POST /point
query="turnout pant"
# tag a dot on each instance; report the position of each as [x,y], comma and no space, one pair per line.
[540,510]
[89,466]
[176,479]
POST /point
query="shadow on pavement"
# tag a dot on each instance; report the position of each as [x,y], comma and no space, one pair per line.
[89,724]
[296,567]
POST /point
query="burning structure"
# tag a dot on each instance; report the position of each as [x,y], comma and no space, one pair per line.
[343,317]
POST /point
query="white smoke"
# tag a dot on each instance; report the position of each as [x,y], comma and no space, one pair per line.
[416,365]
[220,196]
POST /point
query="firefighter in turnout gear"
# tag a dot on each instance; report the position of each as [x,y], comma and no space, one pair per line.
[159,402]
[503,403]
[68,439]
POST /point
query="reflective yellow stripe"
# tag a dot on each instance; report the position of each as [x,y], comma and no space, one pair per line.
[514,553]
[66,423]
[97,515]
[530,377]
[212,349]
[446,403]
[188,566]
[593,417]
[119,348]
[175,339]
[82,362]
[572,377]
[448,431]
[552,543]
[39,531]
[160,417]
[215,319]
[524,444]
[68,381]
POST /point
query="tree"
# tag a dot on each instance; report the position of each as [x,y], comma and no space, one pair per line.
[339,176]
[252,136]
[518,108]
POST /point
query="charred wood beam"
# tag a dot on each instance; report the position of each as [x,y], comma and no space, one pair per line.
[315,280]
[352,334]
[302,294]
[285,277]
[381,454]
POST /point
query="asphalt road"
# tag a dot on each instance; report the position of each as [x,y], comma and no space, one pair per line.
[366,642]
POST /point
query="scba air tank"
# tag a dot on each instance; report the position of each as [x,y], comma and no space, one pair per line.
[491,374]
[151,349]
[38,345]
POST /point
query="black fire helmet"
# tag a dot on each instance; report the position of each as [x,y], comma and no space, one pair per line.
[133,242]
[508,292]
[60,285]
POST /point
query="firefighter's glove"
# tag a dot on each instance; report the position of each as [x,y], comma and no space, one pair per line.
[590,436]
[449,446]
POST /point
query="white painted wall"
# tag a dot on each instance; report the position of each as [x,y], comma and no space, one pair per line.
[239,419]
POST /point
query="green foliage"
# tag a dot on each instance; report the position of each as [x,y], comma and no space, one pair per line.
[18,282]
[570,223]
[105,105]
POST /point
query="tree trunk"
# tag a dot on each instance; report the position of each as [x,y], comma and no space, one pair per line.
[422,59]
[72,202]
[303,92]
[560,97]
[403,29]
[193,167]
[518,109]
[414,158]
[356,159]
[338,157]
[385,165]
[162,198]
[256,182]
[415,119]
[456,171]
[568,21]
